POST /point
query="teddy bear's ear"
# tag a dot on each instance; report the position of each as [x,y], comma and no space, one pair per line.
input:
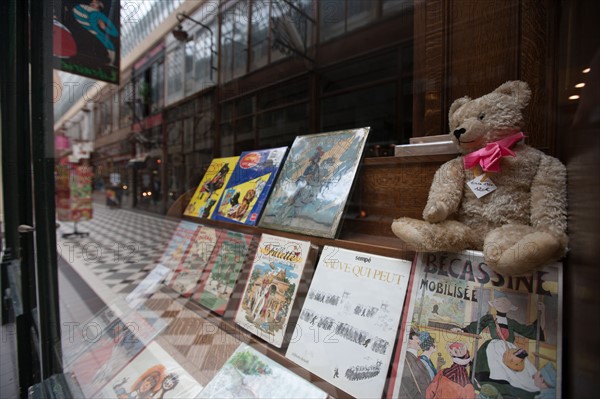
[518,90]
[457,104]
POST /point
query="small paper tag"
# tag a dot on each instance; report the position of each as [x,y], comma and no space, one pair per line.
[481,185]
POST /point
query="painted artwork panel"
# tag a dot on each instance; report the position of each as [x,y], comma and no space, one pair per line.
[248,189]
[463,316]
[348,324]
[223,269]
[186,277]
[272,286]
[202,204]
[152,374]
[311,192]
[250,374]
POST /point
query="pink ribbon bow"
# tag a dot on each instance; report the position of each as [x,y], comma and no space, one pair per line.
[489,156]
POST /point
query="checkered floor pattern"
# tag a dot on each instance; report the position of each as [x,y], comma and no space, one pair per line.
[122,246]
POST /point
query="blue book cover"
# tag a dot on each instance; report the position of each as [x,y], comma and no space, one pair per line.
[249,186]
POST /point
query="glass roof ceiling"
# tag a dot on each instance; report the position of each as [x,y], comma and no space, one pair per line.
[138,19]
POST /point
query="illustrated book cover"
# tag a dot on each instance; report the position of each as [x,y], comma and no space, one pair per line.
[206,196]
[223,269]
[246,192]
[109,353]
[349,321]
[472,332]
[186,276]
[250,374]
[152,374]
[177,247]
[272,286]
[311,192]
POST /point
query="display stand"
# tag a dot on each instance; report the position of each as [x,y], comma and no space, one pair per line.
[75,232]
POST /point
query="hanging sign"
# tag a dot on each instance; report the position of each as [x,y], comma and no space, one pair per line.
[87,38]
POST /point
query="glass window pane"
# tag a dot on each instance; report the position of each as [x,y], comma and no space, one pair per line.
[260,34]
[174,68]
[188,134]
[234,41]
[280,127]
[360,72]
[332,22]
[373,106]
[189,78]
[360,12]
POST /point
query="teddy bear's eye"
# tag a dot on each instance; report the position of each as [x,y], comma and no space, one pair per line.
[481,116]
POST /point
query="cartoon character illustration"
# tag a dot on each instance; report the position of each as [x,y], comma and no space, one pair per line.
[215,183]
[453,382]
[146,386]
[415,377]
[153,383]
[92,18]
[429,347]
[545,380]
[239,210]
[490,367]
[169,383]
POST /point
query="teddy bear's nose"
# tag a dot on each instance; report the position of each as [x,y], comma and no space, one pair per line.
[458,132]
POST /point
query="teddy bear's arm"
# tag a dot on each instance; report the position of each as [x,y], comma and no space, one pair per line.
[549,197]
[446,191]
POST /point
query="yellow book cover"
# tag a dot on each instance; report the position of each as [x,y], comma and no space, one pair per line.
[202,204]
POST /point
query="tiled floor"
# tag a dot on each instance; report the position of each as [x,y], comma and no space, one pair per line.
[122,247]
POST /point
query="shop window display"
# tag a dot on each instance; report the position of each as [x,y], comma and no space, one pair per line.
[258,76]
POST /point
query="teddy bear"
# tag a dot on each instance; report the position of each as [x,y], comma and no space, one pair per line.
[501,196]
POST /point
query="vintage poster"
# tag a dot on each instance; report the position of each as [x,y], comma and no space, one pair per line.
[250,374]
[202,204]
[177,248]
[247,190]
[472,332]
[223,270]
[272,286]
[187,275]
[349,321]
[73,193]
[152,374]
[311,193]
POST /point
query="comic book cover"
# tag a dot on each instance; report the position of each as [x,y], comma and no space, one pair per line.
[250,374]
[223,269]
[310,195]
[152,374]
[186,276]
[471,332]
[176,249]
[271,287]
[247,190]
[349,321]
[202,204]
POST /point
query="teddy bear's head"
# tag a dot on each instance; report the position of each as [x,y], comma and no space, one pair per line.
[476,122]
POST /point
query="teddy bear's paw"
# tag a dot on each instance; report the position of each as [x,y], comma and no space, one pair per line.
[408,231]
[525,255]
[435,213]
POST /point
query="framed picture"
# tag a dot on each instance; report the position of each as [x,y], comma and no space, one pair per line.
[312,190]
